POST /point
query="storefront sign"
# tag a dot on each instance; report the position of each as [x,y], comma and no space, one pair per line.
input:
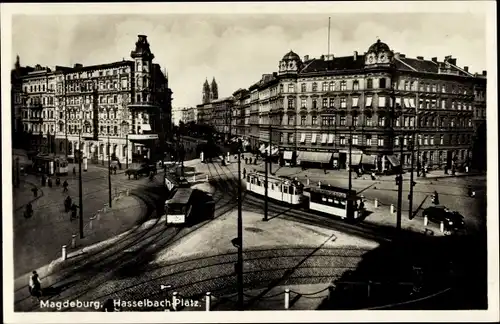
[139,137]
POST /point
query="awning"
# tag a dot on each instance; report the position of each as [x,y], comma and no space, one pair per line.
[368,159]
[407,103]
[330,138]
[313,138]
[393,160]
[356,158]
[336,155]
[398,101]
[368,102]
[412,102]
[302,137]
[323,138]
[317,157]
[287,155]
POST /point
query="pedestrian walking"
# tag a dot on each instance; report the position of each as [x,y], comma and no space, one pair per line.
[65,186]
[244,173]
[73,211]
[29,211]
[35,191]
[34,285]
[58,181]
[49,182]
[74,170]
[67,204]
[44,180]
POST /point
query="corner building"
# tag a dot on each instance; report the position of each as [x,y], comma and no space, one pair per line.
[380,100]
[125,103]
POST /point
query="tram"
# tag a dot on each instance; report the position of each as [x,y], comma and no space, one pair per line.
[50,164]
[172,181]
[334,201]
[188,206]
[282,189]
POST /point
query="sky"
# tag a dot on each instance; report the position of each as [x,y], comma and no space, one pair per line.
[237,49]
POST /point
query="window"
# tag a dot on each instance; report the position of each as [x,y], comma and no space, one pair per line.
[443,104]
[314,120]
[380,142]
[398,122]
[342,120]
[355,120]
[324,120]
[342,140]
[291,120]
[331,86]
[343,102]
[368,121]
[426,140]
[332,102]
[381,101]
[343,86]
[407,85]
[470,123]
[303,87]
[331,138]
[396,141]
[325,86]
[325,102]
[432,140]
[313,138]
[368,140]
[290,104]
[355,101]
[302,120]
[452,123]
[355,139]
[381,121]
[314,87]
[291,88]
[369,84]
[290,138]
[441,139]
[459,105]
[355,85]
[314,103]
[303,103]
[381,83]
[368,102]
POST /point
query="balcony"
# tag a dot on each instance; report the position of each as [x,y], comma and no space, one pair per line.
[35,106]
[144,105]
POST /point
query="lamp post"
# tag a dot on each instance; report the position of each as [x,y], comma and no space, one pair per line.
[80,189]
[125,130]
[265,219]
[400,185]
[350,161]
[240,233]
[109,174]
[410,195]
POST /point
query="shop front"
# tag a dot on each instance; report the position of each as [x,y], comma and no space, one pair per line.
[289,158]
[314,159]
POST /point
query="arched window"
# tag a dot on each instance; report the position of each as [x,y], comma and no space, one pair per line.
[325,86]
[303,87]
[355,85]
[369,84]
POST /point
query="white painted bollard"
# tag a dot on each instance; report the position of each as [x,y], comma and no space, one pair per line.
[307,181]
[426,221]
[64,255]
[105,209]
[287,298]
[127,192]
[441,227]
[392,209]
[207,301]
[73,241]
[375,203]
[174,300]
[206,178]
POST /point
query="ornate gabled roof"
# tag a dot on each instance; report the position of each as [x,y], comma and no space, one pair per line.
[142,48]
[336,64]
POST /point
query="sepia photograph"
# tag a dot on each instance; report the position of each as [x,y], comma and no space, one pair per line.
[333,159]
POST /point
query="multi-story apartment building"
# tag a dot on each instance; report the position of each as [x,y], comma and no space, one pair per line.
[222,116]
[188,115]
[125,103]
[378,100]
[239,114]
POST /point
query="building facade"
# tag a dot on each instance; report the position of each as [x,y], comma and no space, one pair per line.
[188,115]
[126,104]
[379,101]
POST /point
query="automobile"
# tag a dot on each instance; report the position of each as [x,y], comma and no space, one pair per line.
[143,169]
[438,214]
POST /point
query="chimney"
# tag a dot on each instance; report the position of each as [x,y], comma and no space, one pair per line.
[306,58]
[77,65]
[421,58]
[453,61]
[484,73]
[434,59]
[397,55]
[466,68]
[402,56]
[355,55]
[446,58]
[322,57]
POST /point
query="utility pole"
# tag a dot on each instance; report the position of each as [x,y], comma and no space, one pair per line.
[240,234]
[126,152]
[400,186]
[350,161]
[410,195]
[80,190]
[109,174]
[265,219]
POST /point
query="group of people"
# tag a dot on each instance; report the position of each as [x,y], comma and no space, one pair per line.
[69,205]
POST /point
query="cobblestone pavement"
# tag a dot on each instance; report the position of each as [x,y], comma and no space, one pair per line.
[38,240]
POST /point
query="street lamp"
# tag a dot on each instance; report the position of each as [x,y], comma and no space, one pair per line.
[125,129]
[240,232]
[80,189]
[410,195]
[109,173]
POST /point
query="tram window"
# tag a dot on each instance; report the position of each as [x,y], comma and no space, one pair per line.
[323,198]
[330,200]
[258,182]
[248,178]
[285,189]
